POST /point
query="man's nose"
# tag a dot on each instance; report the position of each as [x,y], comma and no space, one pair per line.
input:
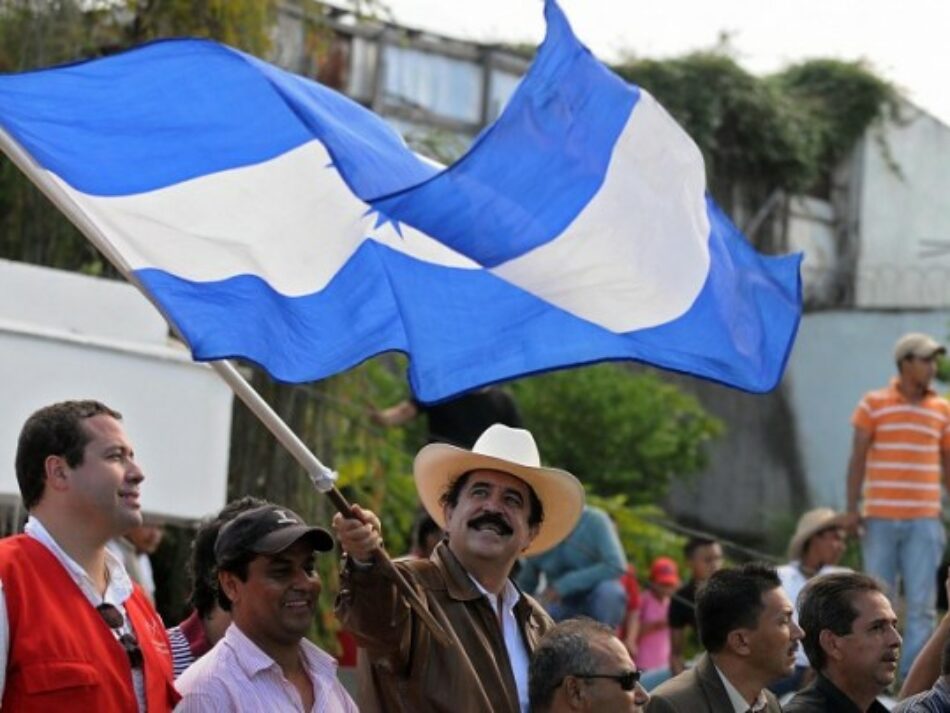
[797,632]
[135,473]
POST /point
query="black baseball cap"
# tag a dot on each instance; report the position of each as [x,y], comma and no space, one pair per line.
[266,530]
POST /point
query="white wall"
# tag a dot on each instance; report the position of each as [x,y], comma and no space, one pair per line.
[904,206]
[68,336]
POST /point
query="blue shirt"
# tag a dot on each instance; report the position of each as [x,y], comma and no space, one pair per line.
[591,554]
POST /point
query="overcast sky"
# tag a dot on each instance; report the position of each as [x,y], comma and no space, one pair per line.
[908,42]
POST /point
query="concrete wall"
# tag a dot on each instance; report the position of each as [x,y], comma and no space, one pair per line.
[787,451]
[838,357]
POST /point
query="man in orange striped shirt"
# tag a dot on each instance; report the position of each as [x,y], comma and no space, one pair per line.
[900,456]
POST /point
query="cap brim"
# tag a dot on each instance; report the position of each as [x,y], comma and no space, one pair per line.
[279,540]
[560,493]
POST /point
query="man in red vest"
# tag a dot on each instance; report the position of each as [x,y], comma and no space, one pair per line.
[75,632]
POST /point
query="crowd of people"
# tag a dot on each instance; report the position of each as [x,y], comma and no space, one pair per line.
[523,599]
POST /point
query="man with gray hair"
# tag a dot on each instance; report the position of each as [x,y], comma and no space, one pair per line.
[852,642]
[580,665]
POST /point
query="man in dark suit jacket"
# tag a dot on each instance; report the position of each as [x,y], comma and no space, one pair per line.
[745,624]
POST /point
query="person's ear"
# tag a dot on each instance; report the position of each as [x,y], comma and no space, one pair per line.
[575,693]
[739,640]
[828,641]
[56,470]
[229,583]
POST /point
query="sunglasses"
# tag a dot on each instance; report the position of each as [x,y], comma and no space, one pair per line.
[114,619]
[628,680]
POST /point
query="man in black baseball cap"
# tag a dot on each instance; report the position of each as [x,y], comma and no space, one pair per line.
[268,581]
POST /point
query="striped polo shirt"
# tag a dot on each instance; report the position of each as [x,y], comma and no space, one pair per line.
[903,472]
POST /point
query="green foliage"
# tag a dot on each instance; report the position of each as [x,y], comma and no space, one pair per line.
[784,131]
[839,101]
[619,431]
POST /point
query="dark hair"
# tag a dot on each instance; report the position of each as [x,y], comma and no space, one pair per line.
[450,498]
[423,527]
[945,658]
[563,651]
[827,602]
[695,542]
[54,430]
[732,599]
[201,564]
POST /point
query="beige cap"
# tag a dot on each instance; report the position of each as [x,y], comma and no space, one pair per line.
[918,345]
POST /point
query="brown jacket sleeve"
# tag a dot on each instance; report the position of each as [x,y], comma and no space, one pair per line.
[369,607]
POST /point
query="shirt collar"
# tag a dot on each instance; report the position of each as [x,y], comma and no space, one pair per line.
[253,660]
[740,704]
[509,595]
[119,586]
[895,386]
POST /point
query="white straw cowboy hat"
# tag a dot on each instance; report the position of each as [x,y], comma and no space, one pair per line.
[809,525]
[508,450]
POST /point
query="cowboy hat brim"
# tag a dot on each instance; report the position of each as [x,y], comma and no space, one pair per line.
[797,543]
[561,494]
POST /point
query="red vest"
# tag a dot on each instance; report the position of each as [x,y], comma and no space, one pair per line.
[63,656]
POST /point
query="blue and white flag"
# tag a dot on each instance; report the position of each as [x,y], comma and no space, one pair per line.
[274,220]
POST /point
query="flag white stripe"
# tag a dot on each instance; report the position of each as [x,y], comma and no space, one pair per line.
[227,223]
[654,188]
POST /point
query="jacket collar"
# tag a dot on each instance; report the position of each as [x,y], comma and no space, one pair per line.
[459,585]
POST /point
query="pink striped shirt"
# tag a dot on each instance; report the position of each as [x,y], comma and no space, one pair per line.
[236,676]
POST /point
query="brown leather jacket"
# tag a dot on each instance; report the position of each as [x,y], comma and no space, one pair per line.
[404,669]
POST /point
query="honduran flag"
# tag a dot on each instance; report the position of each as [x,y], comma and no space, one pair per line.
[274,220]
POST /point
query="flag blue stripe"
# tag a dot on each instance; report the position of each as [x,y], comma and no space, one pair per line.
[178,109]
[547,155]
[298,339]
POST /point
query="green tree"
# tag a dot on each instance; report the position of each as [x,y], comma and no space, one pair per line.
[619,431]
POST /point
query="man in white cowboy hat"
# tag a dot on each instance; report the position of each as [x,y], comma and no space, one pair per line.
[495,504]
[815,549]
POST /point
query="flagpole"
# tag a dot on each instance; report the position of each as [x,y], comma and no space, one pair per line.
[323,478]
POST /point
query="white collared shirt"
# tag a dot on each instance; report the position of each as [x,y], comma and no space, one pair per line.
[514,643]
[740,704]
[118,589]
[236,675]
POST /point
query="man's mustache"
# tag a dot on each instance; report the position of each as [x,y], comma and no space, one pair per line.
[491,518]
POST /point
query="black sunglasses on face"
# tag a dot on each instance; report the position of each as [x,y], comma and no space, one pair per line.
[113,618]
[628,680]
